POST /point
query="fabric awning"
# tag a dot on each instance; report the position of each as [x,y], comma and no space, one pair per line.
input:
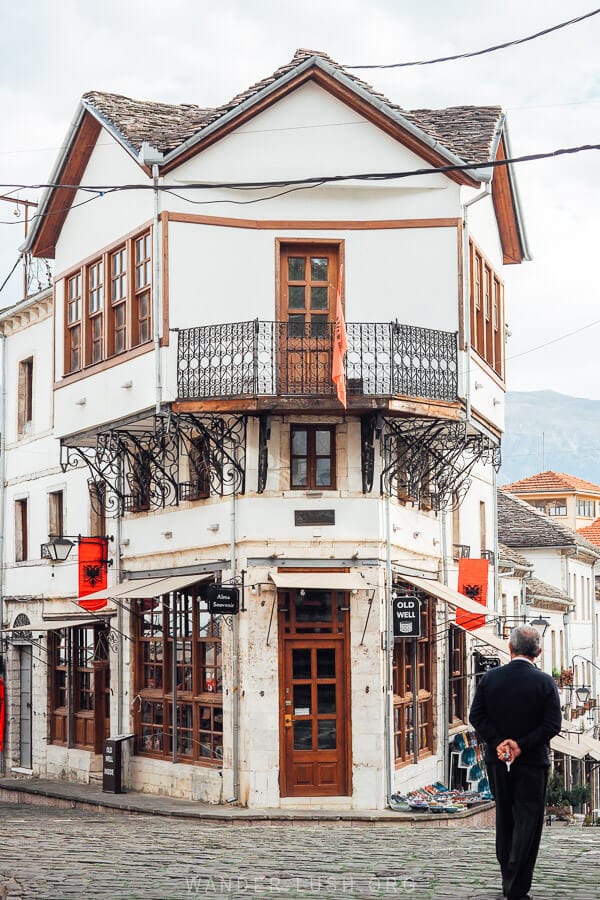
[53,625]
[324,581]
[448,595]
[569,746]
[593,746]
[148,587]
[489,637]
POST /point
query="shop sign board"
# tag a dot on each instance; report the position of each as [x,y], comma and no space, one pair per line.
[407,615]
[223,599]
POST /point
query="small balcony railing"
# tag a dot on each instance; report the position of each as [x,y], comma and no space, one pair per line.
[260,358]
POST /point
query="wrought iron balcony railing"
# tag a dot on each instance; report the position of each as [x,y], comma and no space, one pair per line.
[260,358]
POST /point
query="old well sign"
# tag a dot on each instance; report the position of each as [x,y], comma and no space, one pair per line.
[407,615]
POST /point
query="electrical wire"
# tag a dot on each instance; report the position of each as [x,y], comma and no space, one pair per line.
[6,280]
[310,180]
[472,53]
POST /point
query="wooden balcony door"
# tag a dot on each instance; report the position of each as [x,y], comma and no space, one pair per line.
[314,701]
[308,288]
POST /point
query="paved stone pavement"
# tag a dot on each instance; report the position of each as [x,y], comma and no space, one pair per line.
[57,854]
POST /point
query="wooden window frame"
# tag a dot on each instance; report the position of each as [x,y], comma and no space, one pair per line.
[457,660]
[73,677]
[92,334]
[25,397]
[197,692]
[311,457]
[56,510]
[21,530]
[487,310]
[403,699]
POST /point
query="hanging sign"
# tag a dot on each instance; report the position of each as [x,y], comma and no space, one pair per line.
[93,553]
[223,599]
[407,615]
[473,583]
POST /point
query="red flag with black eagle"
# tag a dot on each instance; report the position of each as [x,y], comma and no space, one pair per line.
[93,562]
[473,583]
[340,345]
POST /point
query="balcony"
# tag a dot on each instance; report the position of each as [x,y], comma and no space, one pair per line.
[262,359]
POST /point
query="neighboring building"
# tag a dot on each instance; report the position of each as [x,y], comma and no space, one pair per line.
[193,351]
[561,589]
[575,501]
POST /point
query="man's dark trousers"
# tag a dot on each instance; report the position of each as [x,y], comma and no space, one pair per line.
[520,796]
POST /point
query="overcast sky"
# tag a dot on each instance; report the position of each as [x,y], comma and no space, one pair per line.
[205,52]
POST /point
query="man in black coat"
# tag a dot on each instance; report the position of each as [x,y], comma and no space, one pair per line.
[516,711]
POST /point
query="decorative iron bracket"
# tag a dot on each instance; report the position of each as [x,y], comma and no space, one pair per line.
[367,451]
[430,461]
[137,468]
[264,436]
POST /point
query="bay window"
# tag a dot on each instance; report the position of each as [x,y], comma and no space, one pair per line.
[108,304]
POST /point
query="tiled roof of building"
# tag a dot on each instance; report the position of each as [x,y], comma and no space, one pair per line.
[536,588]
[508,554]
[521,526]
[467,131]
[550,482]
[591,532]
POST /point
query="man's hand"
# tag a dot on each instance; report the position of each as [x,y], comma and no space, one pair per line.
[508,750]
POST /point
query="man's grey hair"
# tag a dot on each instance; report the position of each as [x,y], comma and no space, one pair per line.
[525,640]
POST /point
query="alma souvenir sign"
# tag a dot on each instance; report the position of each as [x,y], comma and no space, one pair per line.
[407,615]
[223,599]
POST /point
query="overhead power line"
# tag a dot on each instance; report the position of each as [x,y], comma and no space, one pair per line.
[468,55]
[100,189]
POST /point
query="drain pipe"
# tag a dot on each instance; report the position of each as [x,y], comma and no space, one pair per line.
[150,157]
[447,660]
[389,650]
[2,502]
[467,292]
[235,687]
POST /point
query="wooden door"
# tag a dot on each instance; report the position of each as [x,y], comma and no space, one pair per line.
[25,657]
[314,720]
[308,280]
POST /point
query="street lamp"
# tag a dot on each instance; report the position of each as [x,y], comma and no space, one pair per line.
[541,625]
[583,694]
[58,548]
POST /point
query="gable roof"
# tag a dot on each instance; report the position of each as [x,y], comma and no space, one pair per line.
[551,482]
[453,136]
[522,526]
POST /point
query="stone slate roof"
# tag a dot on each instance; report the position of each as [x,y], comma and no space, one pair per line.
[508,554]
[552,482]
[536,588]
[521,526]
[467,131]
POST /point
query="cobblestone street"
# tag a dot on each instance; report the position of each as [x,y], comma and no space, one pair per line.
[50,853]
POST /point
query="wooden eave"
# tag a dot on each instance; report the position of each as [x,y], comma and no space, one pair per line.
[506,211]
[345,95]
[61,198]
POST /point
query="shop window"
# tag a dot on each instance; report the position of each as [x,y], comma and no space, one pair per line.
[487,310]
[79,669]
[25,397]
[197,724]
[108,307]
[312,457]
[413,692]
[458,675]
